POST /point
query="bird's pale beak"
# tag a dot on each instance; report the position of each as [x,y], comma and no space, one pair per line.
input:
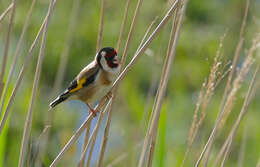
[116,60]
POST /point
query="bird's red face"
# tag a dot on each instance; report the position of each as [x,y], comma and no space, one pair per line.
[108,59]
[112,59]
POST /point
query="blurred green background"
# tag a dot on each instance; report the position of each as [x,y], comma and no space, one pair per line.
[205,22]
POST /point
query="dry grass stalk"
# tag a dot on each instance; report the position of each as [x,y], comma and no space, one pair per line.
[33,150]
[120,39]
[209,87]
[107,127]
[16,55]
[115,85]
[172,41]
[86,141]
[27,127]
[224,147]
[151,132]
[20,77]
[62,67]
[149,97]
[65,53]
[2,16]
[106,130]
[101,25]
[99,41]
[227,89]
[92,139]
[211,82]
[147,32]
[6,49]
[131,31]
[242,150]
[240,117]
[72,140]
[220,154]
[101,115]
[207,90]
[123,59]
[32,155]
[191,136]
[95,131]
[230,77]
[231,96]
[240,78]
[39,144]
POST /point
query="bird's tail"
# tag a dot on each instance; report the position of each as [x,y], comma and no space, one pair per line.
[58,100]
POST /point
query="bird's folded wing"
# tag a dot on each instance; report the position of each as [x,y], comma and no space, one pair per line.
[86,77]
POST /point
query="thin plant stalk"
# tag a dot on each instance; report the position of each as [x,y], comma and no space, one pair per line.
[221,152]
[72,140]
[103,101]
[240,117]
[99,122]
[92,139]
[206,93]
[107,127]
[99,41]
[193,125]
[39,144]
[101,25]
[230,98]
[85,149]
[2,16]
[162,86]
[6,49]
[228,85]
[65,53]
[21,74]
[242,150]
[101,115]
[63,63]
[20,77]
[120,39]
[28,123]
[118,47]
[224,147]
[131,31]
[123,59]
[147,32]
[149,96]
[85,146]
[16,54]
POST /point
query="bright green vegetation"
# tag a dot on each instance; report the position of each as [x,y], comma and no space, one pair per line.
[205,22]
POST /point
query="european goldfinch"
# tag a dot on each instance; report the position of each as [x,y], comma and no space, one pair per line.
[94,81]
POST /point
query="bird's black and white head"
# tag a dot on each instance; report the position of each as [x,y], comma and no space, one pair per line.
[108,60]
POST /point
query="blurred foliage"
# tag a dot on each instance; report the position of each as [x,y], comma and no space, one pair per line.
[204,23]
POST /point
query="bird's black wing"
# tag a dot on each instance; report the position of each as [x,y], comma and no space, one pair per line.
[86,77]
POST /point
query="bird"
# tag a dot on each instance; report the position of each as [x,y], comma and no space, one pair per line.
[93,81]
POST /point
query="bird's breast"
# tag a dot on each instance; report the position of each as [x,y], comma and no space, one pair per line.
[98,89]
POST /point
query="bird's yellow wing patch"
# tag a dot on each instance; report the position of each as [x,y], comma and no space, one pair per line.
[80,84]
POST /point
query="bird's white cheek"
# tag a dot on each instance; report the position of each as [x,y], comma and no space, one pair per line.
[104,64]
[107,68]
